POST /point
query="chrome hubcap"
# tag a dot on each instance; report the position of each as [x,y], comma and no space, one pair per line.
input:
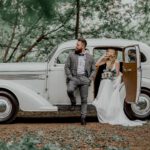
[143,106]
[5,107]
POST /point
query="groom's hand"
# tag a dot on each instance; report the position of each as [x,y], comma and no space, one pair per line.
[90,80]
[74,79]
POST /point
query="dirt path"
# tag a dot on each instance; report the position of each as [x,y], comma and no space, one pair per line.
[67,132]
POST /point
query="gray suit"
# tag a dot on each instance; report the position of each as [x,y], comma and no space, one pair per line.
[82,82]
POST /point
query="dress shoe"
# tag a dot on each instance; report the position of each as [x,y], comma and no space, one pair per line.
[83,121]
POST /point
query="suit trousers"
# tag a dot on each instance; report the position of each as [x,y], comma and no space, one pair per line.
[81,82]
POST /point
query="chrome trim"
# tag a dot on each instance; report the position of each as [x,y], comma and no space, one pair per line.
[23,76]
[142,107]
[4,102]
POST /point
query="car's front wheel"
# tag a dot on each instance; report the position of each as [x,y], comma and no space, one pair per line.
[140,110]
[8,107]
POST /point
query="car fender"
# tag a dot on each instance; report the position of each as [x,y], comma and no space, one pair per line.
[145,83]
[28,99]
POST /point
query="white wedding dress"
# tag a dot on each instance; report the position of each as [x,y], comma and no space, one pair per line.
[109,105]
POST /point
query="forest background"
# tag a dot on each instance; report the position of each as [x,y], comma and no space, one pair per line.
[29,29]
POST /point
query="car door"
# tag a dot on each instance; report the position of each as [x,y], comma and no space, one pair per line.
[132,72]
[57,87]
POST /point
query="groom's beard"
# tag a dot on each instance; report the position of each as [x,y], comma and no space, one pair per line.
[78,51]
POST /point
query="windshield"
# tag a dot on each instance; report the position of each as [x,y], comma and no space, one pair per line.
[52,53]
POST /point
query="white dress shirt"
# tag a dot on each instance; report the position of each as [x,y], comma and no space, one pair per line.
[81,64]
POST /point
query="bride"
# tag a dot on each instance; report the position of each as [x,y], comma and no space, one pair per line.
[108,102]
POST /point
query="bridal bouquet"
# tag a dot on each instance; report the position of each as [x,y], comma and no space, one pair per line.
[108,74]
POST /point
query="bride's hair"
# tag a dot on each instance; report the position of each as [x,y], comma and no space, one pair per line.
[115,54]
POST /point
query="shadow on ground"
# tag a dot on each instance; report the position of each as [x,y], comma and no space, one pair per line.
[75,119]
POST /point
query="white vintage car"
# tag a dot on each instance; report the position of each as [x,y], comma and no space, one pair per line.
[42,86]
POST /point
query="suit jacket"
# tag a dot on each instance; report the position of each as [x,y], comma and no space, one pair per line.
[72,64]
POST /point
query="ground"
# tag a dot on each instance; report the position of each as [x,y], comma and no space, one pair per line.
[66,132]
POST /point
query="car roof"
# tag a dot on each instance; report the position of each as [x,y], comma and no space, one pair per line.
[102,42]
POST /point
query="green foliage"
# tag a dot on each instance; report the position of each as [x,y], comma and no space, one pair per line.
[118,138]
[142,15]
[115,148]
[23,22]
[28,142]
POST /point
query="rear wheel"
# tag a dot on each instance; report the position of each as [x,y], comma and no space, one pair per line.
[8,107]
[141,110]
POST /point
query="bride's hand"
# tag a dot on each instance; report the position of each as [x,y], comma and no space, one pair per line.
[105,57]
[102,60]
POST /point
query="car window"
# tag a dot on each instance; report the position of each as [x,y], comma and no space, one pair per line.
[130,55]
[62,57]
[98,52]
[143,57]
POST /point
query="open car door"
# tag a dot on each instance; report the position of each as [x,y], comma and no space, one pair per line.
[132,72]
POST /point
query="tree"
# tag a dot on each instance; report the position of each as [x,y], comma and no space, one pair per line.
[31,28]
[77,18]
[142,16]
[26,22]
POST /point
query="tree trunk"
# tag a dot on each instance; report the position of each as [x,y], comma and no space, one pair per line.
[40,38]
[77,18]
[10,43]
[15,49]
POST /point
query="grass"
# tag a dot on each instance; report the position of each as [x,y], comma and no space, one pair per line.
[29,142]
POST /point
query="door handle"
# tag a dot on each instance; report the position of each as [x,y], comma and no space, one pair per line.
[127,70]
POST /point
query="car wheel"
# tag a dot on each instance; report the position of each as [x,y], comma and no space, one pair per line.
[8,107]
[141,110]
